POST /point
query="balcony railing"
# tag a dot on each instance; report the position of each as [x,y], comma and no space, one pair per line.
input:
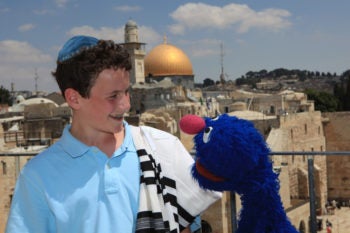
[310,158]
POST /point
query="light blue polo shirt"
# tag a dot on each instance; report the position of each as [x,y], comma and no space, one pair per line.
[71,187]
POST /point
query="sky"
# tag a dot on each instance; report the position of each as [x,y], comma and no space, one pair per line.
[309,35]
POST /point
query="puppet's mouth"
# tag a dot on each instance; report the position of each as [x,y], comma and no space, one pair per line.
[205,173]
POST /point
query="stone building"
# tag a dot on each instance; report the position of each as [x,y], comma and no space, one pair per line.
[300,132]
[284,102]
[163,61]
[22,137]
[146,96]
[337,130]
[137,51]
[10,166]
[169,61]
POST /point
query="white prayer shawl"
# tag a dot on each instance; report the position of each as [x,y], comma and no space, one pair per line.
[169,197]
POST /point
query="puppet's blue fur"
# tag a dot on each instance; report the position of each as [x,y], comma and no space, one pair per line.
[233,149]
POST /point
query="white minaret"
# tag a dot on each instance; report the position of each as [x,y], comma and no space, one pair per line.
[131,33]
[136,50]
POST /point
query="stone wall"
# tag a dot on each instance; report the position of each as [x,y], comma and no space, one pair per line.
[299,216]
[302,132]
[337,130]
[9,171]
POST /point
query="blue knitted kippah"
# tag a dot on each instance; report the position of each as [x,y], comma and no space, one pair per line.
[74,46]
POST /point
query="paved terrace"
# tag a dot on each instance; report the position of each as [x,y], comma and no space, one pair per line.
[340,221]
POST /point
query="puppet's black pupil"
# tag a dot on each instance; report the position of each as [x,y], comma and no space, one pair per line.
[207,130]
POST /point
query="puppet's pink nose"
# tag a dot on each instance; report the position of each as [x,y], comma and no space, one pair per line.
[191,124]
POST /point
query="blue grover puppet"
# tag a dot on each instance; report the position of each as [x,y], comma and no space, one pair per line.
[231,155]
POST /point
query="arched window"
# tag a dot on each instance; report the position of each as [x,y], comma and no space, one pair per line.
[302,228]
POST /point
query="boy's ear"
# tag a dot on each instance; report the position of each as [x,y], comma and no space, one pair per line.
[72,98]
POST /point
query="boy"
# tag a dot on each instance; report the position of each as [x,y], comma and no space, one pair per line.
[104,175]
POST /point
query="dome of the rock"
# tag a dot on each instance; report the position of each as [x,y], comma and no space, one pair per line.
[167,60]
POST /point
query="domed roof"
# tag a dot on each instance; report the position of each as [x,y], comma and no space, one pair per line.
[167,60]
[131,23]
[19,106]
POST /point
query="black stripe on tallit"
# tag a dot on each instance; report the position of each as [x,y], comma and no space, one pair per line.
[148,222]
[184,214]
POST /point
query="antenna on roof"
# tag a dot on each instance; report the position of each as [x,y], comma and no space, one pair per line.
[36,77]
[222,75]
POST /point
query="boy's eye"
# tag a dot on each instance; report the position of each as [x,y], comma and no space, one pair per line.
[112,96]
[119,94]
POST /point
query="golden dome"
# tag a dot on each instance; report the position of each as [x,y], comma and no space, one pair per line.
[167,60]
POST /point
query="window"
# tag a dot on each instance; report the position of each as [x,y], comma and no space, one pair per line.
[11,197]
[4,167]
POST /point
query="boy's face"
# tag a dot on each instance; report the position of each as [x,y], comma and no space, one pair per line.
[109,100]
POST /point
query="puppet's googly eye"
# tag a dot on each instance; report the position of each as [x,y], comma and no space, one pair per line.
[206,135]
[215,118]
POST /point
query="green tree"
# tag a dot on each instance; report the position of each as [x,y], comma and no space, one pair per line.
[346,101]
[208,82]
[5,97]
[324,101]
[346,73]
[339,93]
[342,92]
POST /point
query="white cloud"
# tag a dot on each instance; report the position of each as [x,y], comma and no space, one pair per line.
[61,3]
[18,61]
[199,15]
[177,29]
[18,52]
[127,8]
[4,10]
[23,78]
[26,27]
[43,12]
[146,34]
[202,48]
[272,19]
[106,33]
[149,35]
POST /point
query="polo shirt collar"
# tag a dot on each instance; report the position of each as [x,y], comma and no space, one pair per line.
[128,143]
[76,148]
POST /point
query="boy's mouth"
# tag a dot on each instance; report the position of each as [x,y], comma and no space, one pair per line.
[119,117]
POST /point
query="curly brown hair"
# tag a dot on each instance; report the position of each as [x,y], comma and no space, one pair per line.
[80,71]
